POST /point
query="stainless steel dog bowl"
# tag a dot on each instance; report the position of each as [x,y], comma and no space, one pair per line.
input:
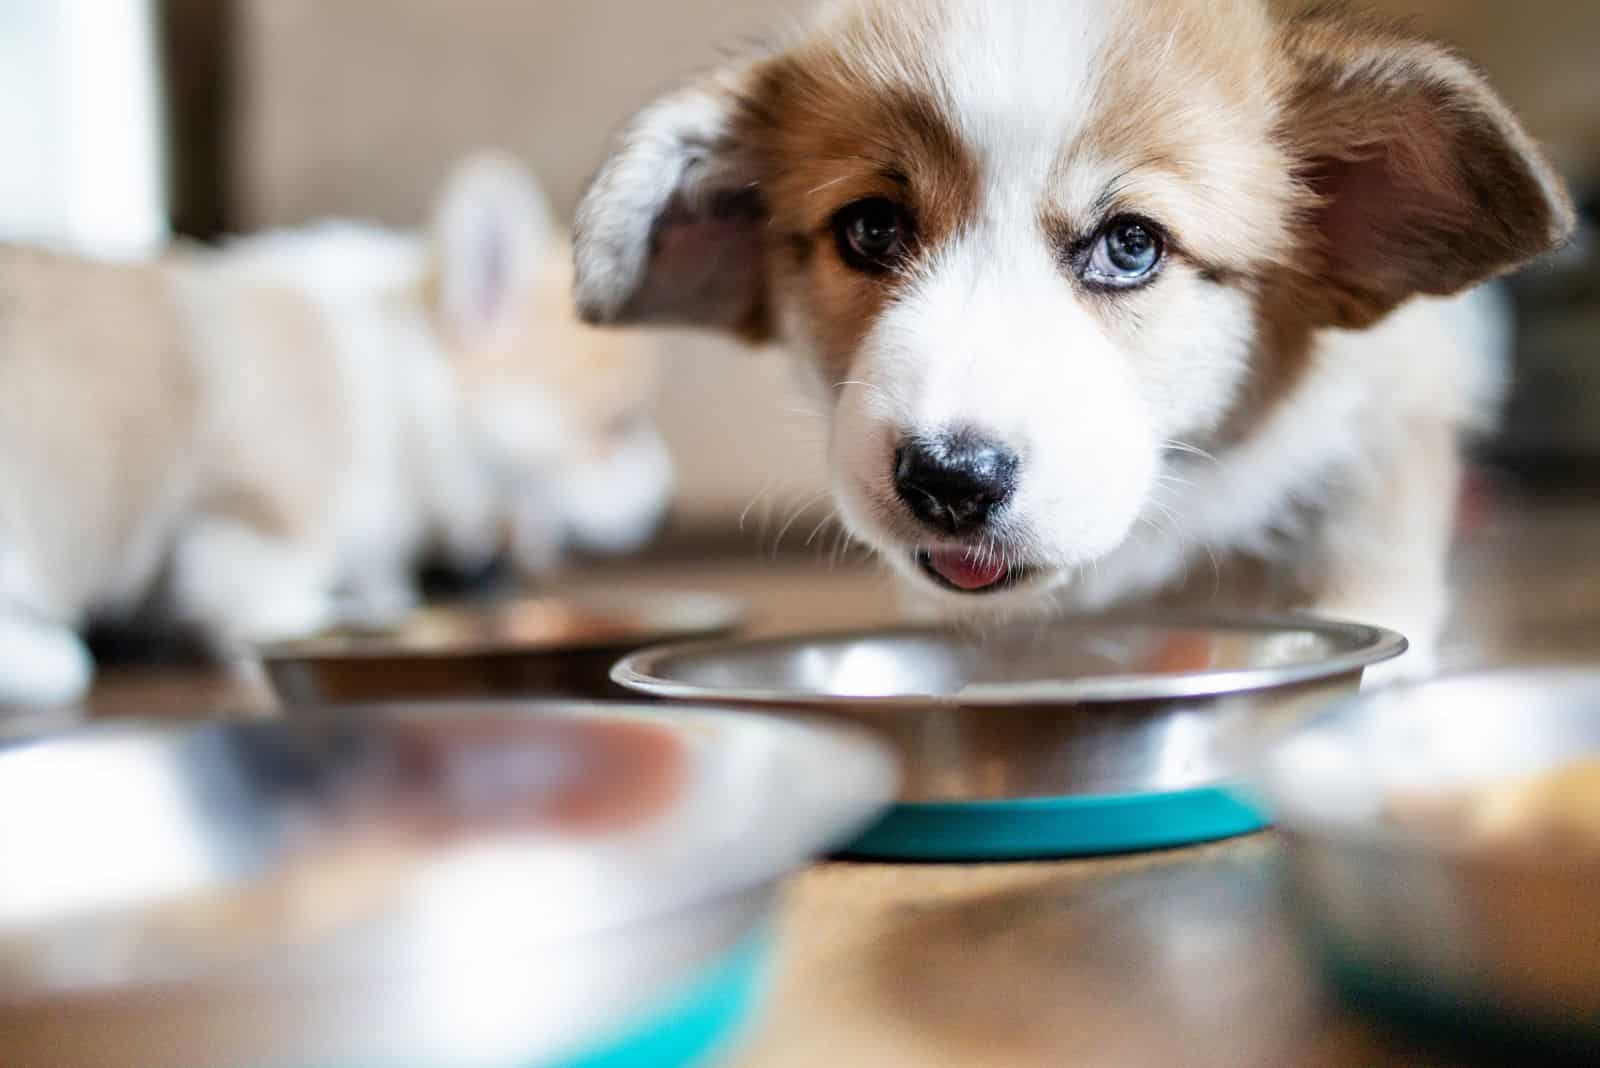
[531,646]
[1479,942]
[500,885]
[1082,735]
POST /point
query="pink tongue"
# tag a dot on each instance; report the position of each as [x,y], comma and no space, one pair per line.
[965,571]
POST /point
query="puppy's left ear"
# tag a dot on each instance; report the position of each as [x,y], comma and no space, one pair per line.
[672,228]
[1424,181]
[492,226]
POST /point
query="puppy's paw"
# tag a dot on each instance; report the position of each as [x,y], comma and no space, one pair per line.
[242,585]
[42,665]
[377,604]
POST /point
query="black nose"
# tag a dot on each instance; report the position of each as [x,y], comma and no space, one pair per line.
[952,482]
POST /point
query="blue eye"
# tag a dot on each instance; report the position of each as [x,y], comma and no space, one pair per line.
[1126,252]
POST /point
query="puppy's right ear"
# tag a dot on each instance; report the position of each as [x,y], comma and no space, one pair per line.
[672,228]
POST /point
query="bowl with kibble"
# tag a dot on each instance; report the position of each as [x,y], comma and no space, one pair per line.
[1442,849]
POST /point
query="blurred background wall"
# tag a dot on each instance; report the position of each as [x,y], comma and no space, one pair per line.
[280,111]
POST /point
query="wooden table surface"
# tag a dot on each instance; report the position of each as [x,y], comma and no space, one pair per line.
[1172,958]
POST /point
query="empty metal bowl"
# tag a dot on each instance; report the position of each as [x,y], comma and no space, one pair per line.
[1482,940]
[498,885]
[1079,735]
[530,646]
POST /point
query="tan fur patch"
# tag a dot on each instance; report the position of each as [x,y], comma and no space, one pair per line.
[1184,131]
[832,132]
[98,403]
[1281,355]
[275,453]
[1180,130]
[1257,141]
[606,378]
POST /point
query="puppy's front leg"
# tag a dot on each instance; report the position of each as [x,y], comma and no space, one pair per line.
[538,536]
[244,583]
[1387,549]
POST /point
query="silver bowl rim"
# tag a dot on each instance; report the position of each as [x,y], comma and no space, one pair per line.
[1369,644]
[668,614]
[1369,837]
[776,859]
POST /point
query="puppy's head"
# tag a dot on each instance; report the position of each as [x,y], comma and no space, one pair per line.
[557,408]
[1031,249]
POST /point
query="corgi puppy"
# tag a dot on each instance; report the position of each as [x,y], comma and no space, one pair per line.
[273,433]
[1108,300]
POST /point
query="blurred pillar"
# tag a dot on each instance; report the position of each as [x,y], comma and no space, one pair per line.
[80,112]
[197,51]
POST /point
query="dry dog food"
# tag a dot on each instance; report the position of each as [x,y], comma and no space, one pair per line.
[1555,810]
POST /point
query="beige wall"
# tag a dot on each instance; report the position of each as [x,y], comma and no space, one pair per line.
[1544,55]
[358,106]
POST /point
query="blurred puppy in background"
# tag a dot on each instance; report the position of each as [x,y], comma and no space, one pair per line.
[269,437]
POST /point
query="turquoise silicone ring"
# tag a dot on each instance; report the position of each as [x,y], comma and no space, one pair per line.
[1037,828]
[697,1024]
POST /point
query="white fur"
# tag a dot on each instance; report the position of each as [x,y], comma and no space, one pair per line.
[424,466]
[1012,88]
[248,585]
[667,157]
[613,503]
[1409,370]
[414,474]
[363,442]
[41,663]
[493,229]
[387,375]
[949,356]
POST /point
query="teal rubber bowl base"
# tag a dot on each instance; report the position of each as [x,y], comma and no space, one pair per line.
[697,1026]
[1040,828]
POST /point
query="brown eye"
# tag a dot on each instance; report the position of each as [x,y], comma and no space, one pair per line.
[871,234]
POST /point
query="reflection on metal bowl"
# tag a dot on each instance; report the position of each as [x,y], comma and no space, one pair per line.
[495,885]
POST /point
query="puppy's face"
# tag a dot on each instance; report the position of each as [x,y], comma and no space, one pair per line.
[1036,250]
[560,412]
[998,253]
